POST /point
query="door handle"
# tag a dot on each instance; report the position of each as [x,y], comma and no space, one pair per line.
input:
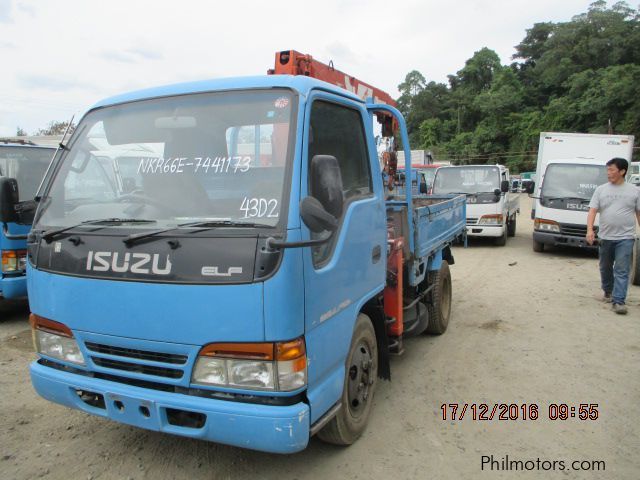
[376,254]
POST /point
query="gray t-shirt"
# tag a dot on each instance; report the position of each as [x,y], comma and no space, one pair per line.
[617,205]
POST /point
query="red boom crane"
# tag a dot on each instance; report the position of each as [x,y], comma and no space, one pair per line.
[290,62]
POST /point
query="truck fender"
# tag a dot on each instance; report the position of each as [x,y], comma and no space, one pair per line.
[435,261]
[447,255]
[374,309]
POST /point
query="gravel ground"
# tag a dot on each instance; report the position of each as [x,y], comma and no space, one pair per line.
[526,328]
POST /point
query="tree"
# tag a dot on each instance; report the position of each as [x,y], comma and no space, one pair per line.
[20,132]
[56,128]
[576,76]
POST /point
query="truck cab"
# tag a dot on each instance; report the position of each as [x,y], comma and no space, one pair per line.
[25,164]
[562,205]
[217,260]
[491,208]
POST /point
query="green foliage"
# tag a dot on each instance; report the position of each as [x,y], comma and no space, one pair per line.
[55,128]
[577,76]
[20,132]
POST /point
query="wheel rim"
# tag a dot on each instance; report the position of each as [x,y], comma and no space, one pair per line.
[361,377]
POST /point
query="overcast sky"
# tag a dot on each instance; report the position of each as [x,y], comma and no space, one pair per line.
[59,57]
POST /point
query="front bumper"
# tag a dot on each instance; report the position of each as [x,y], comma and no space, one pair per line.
[13,287]
[277,429]
[485,231]
[559,239]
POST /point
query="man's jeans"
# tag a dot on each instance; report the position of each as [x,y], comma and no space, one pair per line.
[615,265]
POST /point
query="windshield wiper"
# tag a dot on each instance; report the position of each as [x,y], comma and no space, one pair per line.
[199,226]
[222,223]
[50,234]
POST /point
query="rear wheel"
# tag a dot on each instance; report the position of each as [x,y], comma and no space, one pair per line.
[440,306]
[511,226]
[360,381]
[538,246]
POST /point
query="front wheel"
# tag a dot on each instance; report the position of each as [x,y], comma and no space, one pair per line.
[361,377]
[501,241]
[538,246]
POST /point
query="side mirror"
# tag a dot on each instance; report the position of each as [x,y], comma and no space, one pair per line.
[530,187]
[316,217]
[504,186]
[326,183]
[9,199]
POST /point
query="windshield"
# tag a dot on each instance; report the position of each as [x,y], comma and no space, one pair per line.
[428,174]
[466,180]
[27,165]
[572,180]
[634,169]
[191,158]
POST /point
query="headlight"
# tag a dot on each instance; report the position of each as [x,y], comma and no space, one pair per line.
[14,261]
[546,225]
[55,340]
[253,366]
[490,220]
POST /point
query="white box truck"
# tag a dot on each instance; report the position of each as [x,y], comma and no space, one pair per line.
[570,167]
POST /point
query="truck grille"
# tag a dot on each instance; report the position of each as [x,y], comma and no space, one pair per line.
[138,368]
[472,221]
[137,354]
[142,361]
[574,230]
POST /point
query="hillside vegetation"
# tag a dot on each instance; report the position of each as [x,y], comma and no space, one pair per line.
[577,76]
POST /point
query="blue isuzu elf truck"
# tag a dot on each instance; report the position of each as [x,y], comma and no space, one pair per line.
[220,260]
[25,163]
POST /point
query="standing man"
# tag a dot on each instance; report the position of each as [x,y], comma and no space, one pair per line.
[618,203]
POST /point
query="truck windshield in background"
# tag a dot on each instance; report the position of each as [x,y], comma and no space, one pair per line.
[200,157]
[470,180]
[564,184]
[429,175]
[27,165]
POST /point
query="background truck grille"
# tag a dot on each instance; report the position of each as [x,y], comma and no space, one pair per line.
[472,221]
[137,354]
[574,230]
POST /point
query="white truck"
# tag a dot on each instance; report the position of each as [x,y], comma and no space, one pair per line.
[633,175]
[491,208]
[570,167]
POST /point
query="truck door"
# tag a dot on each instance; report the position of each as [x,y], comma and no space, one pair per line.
[341,275]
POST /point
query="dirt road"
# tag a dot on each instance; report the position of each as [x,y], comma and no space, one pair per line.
[526,329]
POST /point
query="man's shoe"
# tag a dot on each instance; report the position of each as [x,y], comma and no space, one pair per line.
[620,309]
[606,298]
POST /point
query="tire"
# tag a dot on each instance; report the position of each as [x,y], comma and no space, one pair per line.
[634,275]
[501,241]
[361,369]
[440,306]
[511,227]
[538,246]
